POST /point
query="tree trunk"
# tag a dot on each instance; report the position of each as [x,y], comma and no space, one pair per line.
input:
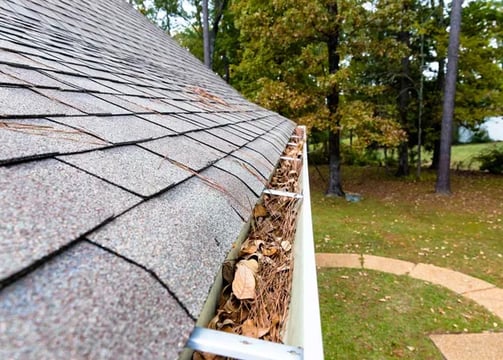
[220,7]
[334,137]
[443,185]
[403,104]
[206,35]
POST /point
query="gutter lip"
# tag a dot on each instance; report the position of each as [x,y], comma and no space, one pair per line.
[303,336]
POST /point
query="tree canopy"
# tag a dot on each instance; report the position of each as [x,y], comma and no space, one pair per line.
[369,70]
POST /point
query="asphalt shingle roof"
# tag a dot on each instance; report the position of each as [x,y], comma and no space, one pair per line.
[127,171]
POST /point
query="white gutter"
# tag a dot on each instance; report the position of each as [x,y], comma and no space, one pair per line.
[302,338]
[304,325]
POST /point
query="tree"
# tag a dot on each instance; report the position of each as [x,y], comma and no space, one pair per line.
[298,59]
[443,185]
[222,36]
[161,12]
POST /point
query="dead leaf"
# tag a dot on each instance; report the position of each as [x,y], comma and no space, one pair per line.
[243,285]
[252,264]
[228,271]
[249,329]
[259,211]
[285,245]
[269,251]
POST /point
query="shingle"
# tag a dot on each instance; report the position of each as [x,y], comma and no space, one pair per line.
[213,141]
[241,132]
[89,304]
[186,106]
[116,129]
[172,122]
[184,150]
[86,103]
[223,133]
[131,167]
[79,82]
[199,120]
[121,102]
[119,88]
[184,245]
[241,198]
[7,79]
[243,171]
[255,160]
[34,77]
[30,137]
[22,102]
[53,204]
[268,150]
[151,104]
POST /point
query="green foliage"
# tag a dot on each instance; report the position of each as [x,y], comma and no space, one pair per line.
[480,136]
[285,67]
[491,160]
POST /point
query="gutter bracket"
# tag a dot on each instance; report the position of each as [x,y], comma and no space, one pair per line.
[283,193]
[240,347]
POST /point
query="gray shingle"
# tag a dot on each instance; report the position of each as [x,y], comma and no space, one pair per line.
[255,160]
[90,304]
[243,171]
[151,105]
[184,150]
[131,167]
[269,151]
[223,133]
[213,141]
[172,122]
[175,240]
[237,193]
[30,137]
[116,129]
[53,204]
[79,82]
[33,77]
[22,102]
[86,103]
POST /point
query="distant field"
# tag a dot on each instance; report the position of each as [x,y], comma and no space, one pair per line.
[462,155]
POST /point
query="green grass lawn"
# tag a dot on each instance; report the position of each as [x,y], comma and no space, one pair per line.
[372,315]
[404,219]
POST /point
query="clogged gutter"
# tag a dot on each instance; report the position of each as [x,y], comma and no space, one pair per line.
[257,285]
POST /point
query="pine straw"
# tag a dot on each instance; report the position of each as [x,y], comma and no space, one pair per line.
[268,252]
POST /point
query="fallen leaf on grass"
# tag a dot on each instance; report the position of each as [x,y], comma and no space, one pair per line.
[243,285]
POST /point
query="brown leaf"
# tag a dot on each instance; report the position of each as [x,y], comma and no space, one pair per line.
[249,329]
[243,284]
[228,270]
[252,264]
[269,251]
[248,248]
[259,211]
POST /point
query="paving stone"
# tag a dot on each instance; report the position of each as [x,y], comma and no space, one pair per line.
[470,346]
[489,298]
[338,260]
[392,266]
[453,280]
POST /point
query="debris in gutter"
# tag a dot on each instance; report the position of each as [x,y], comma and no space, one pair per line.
[257,285]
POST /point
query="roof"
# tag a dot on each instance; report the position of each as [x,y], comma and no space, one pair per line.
[127,170]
